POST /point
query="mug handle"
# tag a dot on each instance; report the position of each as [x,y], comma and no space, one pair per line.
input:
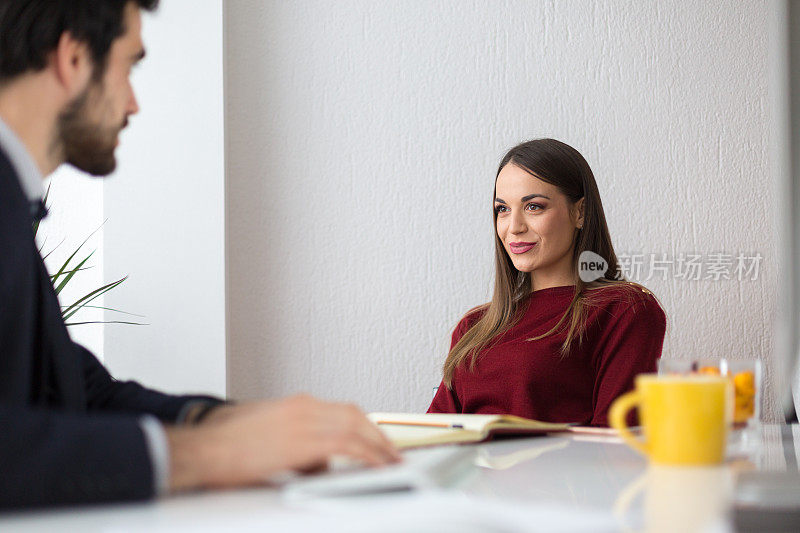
[617,414]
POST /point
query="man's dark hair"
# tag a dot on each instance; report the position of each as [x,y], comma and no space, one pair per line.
[31,29]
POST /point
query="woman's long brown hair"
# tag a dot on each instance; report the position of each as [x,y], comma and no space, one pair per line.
[561,165]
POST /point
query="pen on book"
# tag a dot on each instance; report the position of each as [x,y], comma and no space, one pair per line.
[427,424]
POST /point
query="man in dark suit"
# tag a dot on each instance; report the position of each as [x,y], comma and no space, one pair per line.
[69,432]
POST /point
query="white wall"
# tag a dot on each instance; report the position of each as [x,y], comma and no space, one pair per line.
[165,208]
[362,142]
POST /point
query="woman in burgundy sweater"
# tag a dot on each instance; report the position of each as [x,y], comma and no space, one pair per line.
[557,342]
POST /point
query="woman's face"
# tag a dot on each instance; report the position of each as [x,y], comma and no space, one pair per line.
[536,222]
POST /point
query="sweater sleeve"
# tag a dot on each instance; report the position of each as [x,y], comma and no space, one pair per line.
[446,400]
[630,344]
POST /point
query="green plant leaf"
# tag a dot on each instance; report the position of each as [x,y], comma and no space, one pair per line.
[53,277]
[105,322]
[71,273]
[77,305]
[65,274]
[107,309]
[66,263]
[51,251]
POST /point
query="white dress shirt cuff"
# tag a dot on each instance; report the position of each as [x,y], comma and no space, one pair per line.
[158,447]
[188,407]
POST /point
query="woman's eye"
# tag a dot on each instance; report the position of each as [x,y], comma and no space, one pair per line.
[533,207]
[500,209]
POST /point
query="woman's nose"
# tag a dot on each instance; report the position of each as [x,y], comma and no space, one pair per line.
[517,224]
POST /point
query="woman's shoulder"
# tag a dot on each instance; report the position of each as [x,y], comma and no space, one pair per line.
[469,319]
[624,297]
[472,316]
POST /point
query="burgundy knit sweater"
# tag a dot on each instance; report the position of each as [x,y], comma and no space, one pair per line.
[624,334]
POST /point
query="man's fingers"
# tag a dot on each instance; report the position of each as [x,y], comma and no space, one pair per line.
[379,441]
[357,448]
[361,427]
[314,468]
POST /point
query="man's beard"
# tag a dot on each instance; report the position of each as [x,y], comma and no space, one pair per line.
[86,145]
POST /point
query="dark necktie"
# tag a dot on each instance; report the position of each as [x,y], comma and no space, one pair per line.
[38,210]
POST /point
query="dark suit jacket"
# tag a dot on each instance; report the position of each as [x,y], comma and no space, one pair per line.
[69,432]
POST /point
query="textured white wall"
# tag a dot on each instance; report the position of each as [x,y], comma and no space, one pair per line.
[362,142]
[165,208]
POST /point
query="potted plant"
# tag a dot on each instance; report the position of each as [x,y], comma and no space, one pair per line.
[65,274]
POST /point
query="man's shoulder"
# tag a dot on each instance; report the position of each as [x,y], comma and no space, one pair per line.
[16,233]
[12,199]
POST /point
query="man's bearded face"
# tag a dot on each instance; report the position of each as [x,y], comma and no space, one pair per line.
[88,132]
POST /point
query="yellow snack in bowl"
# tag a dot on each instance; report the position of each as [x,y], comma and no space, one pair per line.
[745,389]
[745,382]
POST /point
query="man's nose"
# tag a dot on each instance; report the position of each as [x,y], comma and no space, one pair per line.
[133,105]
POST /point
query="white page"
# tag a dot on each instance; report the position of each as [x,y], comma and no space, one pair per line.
[470,422]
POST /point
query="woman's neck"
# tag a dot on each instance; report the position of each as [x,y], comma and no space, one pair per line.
[557,275]
[539,282]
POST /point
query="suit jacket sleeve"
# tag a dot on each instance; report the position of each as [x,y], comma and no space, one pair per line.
[106,394]
[49,458]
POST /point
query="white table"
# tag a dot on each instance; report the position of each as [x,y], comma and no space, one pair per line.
[557,482]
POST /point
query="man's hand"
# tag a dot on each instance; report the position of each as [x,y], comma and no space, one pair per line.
[245,444]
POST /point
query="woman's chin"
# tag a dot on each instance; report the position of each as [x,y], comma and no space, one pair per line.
[525,267]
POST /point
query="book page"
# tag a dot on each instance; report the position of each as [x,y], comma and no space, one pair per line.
[413,436]
[469,422]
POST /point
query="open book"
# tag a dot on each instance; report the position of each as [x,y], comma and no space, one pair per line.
[409,430]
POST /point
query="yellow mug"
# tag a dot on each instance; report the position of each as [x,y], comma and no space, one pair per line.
[684,418]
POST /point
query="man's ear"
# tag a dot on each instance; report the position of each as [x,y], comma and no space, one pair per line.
[73,65]
[579,208]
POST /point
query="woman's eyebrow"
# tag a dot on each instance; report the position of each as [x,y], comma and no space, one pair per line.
[524,198]
[530,196]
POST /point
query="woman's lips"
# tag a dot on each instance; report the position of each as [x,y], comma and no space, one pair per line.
[521,247]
